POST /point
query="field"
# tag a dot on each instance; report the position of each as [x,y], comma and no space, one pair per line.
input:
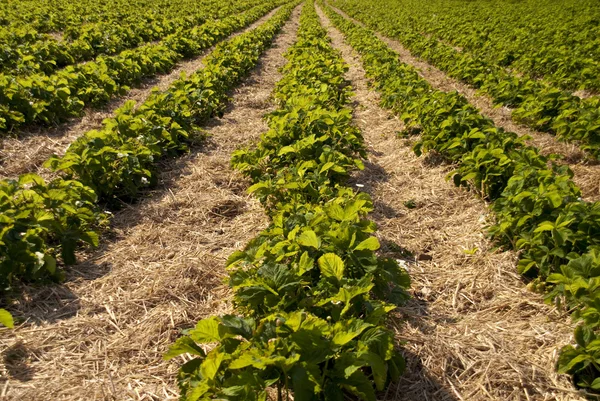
[287,199]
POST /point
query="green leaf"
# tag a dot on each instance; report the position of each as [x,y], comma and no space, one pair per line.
[396,366]
[305,321]
[379,368]
[211,364]
[305,379]
[91,238]
[555,199]
[371,243]
[569,363]
[261,359]
[257,186]
[235,257]
[583,335]
[360,385]
[198,391]
[286,149]
[305,264]
[50,263]
[346,330]
[238,325]
[6,319]
[326,167]
[336,212]
[346,294]
[206,331]
[309,238]
[545,226]
[331,265]
[251,357]
[234,391]
[183,345]
[31,178]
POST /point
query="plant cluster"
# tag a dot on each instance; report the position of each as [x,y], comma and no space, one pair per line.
[537,206]
[536,103]
[25,48]
[49,99]
[307,318]
[40,220]
[25,53]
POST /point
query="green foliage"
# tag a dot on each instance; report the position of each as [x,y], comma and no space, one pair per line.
[317,358]
[85,42]
[40,220]
[6,319]
[120,159]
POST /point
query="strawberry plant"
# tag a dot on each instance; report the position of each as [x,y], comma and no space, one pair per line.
[311,294]
[39,220]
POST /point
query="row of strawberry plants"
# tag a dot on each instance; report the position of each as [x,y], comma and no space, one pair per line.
[52,99]
[40,220]
[536,104]
[538,209]
[89,41]
[307,318]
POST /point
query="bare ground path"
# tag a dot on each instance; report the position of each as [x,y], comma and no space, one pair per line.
[472,330]
[102,334]
[27,152]
[587,173]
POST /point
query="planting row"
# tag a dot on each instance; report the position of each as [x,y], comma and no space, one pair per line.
[41,220]
[52,99]
[310,293]
[538,209]
[536,104]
